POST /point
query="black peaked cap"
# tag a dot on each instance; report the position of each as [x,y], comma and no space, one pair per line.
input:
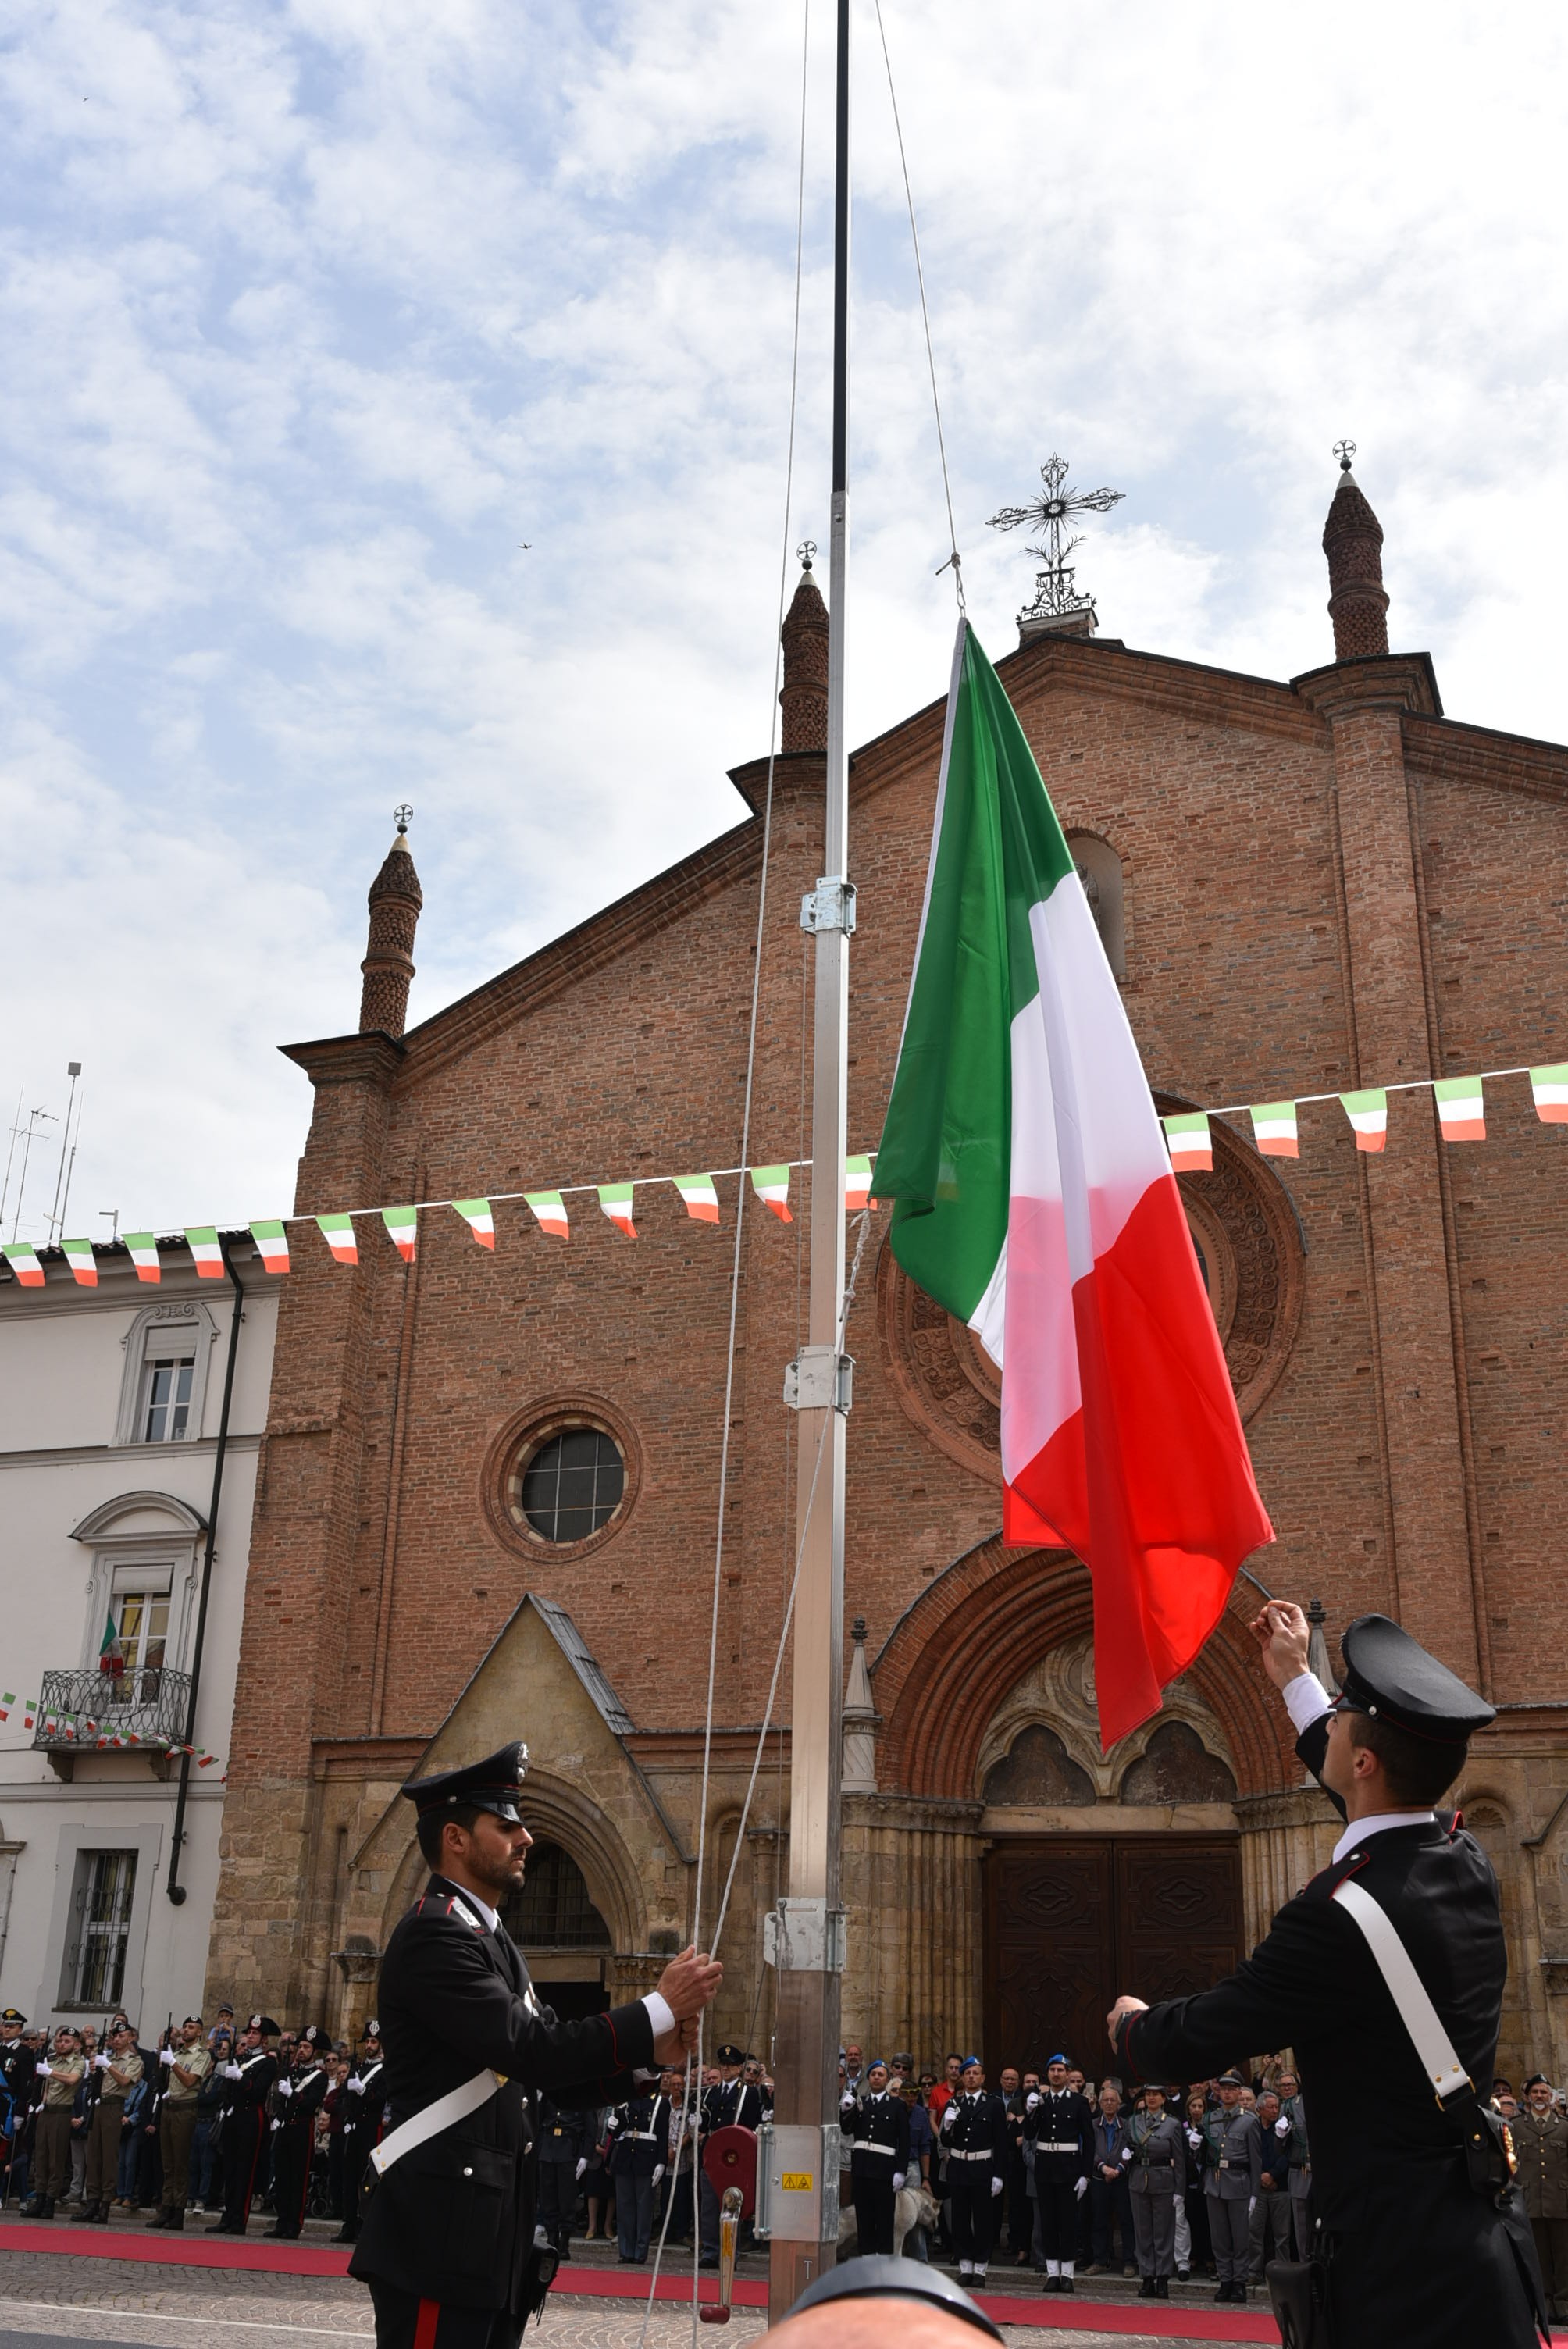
[886,2279]
[492,1785]
[1391,1676]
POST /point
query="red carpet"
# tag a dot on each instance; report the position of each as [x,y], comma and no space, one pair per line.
[195,2250]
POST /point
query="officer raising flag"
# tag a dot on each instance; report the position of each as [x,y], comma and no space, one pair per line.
[447,2241]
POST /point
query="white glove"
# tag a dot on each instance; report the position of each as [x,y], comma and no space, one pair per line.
[354,2087]
[1127,2153]
[581,2165]
[996,2186]
[1194,2139]
[231,2071]
[1252,2204]
[658,2172]
[286,2088]
[898,2181]
[100,2062]
[166,2054]
[1081,2188]
[847,2101]
[1282,2127]
[277,2124]
[1031,2100]
[44,2071]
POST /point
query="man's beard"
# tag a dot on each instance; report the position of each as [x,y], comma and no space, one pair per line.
[501,1875]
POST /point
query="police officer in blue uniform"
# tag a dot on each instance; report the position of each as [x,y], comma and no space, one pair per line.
[974,2138]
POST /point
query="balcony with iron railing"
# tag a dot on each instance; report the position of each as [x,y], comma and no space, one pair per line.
[125,1708]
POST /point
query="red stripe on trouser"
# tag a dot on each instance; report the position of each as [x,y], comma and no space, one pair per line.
[425,2324]
[304,2181]
[255,2157]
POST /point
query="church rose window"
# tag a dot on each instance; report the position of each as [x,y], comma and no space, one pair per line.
[566,1483]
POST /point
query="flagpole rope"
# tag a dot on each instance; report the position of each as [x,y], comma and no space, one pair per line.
[695,2062]
[954,561]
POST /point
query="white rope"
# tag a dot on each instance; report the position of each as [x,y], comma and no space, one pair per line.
[694,2061]
[954,561]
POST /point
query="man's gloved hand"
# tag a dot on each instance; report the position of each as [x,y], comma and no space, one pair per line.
[1127,2153]
[658,2172]
[996,2188]
[1282,2127]
[230,2072]
[277,2124]
[1252,2204]
[286,2088]
[1081,2188]
[44,2071]
[581,2165]
[898,2181]
[354,2087]
[166,2055]
[1031,2100]
[847,2101]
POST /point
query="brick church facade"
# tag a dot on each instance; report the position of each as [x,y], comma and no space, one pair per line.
[1304,887]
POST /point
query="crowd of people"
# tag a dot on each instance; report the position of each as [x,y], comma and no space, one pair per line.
[216,2119]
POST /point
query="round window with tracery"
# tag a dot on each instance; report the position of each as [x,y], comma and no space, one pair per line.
[567,1482]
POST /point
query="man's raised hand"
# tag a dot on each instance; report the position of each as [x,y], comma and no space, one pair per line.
[690,1983]
[1281,1631]
[1124,2005]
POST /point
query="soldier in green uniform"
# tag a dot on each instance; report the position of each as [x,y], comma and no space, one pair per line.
[1540,2147]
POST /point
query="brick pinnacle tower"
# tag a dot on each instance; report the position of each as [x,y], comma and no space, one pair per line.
[1353,542]
[396,898]
[804,697]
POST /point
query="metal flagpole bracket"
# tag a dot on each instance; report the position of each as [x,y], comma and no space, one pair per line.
[820,1379]
[798,2183]
[830,906]
[804,1936]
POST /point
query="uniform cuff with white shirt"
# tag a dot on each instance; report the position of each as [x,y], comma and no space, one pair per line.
[1305,1700]
[661,2013]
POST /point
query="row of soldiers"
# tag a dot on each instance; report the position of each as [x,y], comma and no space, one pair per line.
[266,2114]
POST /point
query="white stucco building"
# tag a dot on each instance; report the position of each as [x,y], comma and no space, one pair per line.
[112,1438]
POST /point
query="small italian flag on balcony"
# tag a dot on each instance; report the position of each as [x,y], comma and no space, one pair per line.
[108,1659]
[700,1195]
[1461,1109]
[143,1248]
[1273,1129]
[83,1263]
[771,1184]
[24,1262]
[402,1229]
[337,1231]
[476,1214]
[272,1243]
[206,1254]
[1549,1087]
[857,1184]
[616,1199]
[1190,1142]
[549,1213]
[1368,1115]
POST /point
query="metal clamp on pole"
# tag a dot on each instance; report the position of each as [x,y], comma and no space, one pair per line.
[821,1379]
[830,906]
[804,1936]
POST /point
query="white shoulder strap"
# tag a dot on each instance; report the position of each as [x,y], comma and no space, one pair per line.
[444,2114]
[1419,2016]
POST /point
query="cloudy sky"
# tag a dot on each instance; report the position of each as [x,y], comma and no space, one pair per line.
[312,313]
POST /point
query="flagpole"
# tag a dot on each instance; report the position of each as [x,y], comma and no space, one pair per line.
[809,1932]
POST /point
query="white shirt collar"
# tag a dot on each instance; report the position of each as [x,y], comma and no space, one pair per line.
[1378,1823]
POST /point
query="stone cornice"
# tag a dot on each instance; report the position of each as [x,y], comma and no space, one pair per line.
[1406,681]
[373,1058]
[1450,751]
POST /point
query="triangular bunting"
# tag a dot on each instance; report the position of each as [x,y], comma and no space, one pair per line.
[337,1231]
[273,1244]
[83,1263]
[1461,1109]
[771,1184]
[208,1256]
[23,1260]
[476,1214]
[1274,1129]
[1188,1141]
[144,1249]
[857,1184]
[700,1197]
[1549,1087]
[616,1199]
[549,1213]
[1368,1114]
[402,1229]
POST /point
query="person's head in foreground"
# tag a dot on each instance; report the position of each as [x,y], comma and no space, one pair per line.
[869,2302]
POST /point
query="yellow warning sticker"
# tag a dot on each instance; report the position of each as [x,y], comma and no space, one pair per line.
[797,2181]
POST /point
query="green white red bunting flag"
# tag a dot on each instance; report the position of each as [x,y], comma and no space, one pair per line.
[1549,1087]
[1188,1141]
[208,1256]
[143,1248]
[29,1710]
[771,1184]
[272,1242]
[476,1214]
[1273,1129]
[1461,1109]
[402,1229]
[616,1199]
[337,1231]
[23,1260]
[857,1184]
[1368,1115]
[83,1263]
[701,1197]
[549,1213]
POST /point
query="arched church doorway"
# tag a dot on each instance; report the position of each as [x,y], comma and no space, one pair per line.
[561,1933]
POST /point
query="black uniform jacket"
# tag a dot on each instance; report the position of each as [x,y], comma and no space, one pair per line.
[246,2098]
[1418,2255]
[879,2127]
[731,2104]
[307,2094]
[975,2135]
[1061,2130]
[453,2219]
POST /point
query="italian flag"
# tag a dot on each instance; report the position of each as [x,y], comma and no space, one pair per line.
[1368,1115]
[476,1214]
[1461,1109]
[771,1184]
[402,1229]
[24,1262]
[549,1213]
[700,1195]
[337,1231]
[1549,1087]
[1274,1129]
[83,1263]
[272,1243]
[1034,1198]
[857,1184]
[143,1248]
[1188,1138]
[616,1199]
[207,1255]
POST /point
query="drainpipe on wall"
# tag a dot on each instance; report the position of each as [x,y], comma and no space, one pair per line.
[176,1890]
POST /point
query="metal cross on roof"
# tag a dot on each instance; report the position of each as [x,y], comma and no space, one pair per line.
[1055,594]
[401,816]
